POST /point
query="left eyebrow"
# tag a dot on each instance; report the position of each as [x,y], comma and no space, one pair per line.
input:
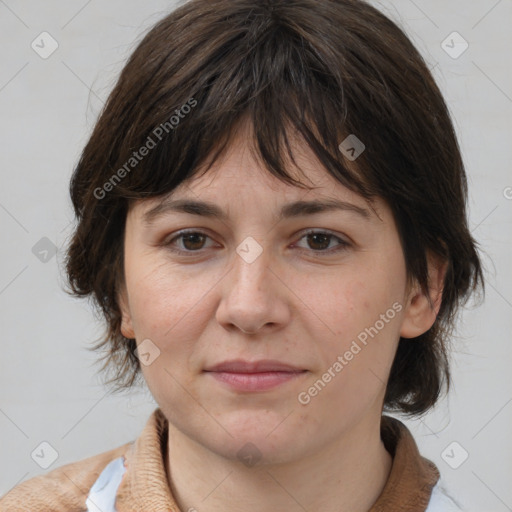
[211,210]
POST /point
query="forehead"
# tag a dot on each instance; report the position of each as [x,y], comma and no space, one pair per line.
[241,165]
[239,168]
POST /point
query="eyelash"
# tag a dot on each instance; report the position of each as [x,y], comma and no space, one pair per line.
[343,244]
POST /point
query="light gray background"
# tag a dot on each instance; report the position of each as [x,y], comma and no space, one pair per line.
[48,387]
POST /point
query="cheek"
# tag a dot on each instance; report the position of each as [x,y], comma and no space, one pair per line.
[164,299]
[360,318]
[167,309]
[343,305]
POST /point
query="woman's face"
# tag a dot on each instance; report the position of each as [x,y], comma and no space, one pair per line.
[252,284]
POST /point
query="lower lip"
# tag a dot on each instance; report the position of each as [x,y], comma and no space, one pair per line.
[255,381]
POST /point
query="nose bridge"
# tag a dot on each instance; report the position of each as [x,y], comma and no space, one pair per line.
[250,298]
[251,272]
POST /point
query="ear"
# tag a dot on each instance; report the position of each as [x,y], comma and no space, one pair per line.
[126,319]
[420,312]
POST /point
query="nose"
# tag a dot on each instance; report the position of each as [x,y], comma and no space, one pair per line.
[253,296]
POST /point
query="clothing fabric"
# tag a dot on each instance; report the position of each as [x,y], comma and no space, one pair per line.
[102,496]
[103,493]
[441,502]
[133,478]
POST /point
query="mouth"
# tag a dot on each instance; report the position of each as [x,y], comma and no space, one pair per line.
[253,376]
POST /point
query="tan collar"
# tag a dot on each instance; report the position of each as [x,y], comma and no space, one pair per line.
[412,476]
[145,488]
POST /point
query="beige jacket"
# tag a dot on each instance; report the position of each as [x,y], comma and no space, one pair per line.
[144,486]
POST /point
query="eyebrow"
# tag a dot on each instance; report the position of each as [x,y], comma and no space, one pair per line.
[211,210]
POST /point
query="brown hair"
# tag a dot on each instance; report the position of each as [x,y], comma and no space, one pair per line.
[328,68]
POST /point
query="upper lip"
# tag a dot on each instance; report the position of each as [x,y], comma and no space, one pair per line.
[241,366]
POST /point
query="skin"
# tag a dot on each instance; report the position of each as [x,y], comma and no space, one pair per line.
[298,302]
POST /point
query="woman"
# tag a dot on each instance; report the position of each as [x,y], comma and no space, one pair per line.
[272,218]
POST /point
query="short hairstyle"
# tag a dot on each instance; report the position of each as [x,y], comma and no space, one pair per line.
[328,69]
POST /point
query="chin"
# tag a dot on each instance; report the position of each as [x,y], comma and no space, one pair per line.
[260,434]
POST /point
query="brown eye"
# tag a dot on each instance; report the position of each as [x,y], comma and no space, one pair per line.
[319,241]
[187,242]
[193,241]
[322,242]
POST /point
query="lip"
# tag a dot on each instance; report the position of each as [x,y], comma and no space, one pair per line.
[240,375]
[264,365]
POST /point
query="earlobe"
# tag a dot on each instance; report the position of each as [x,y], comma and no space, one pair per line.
[126,327]
[421,309]
[126,319]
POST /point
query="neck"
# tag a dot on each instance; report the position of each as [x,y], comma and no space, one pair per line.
[345,476]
